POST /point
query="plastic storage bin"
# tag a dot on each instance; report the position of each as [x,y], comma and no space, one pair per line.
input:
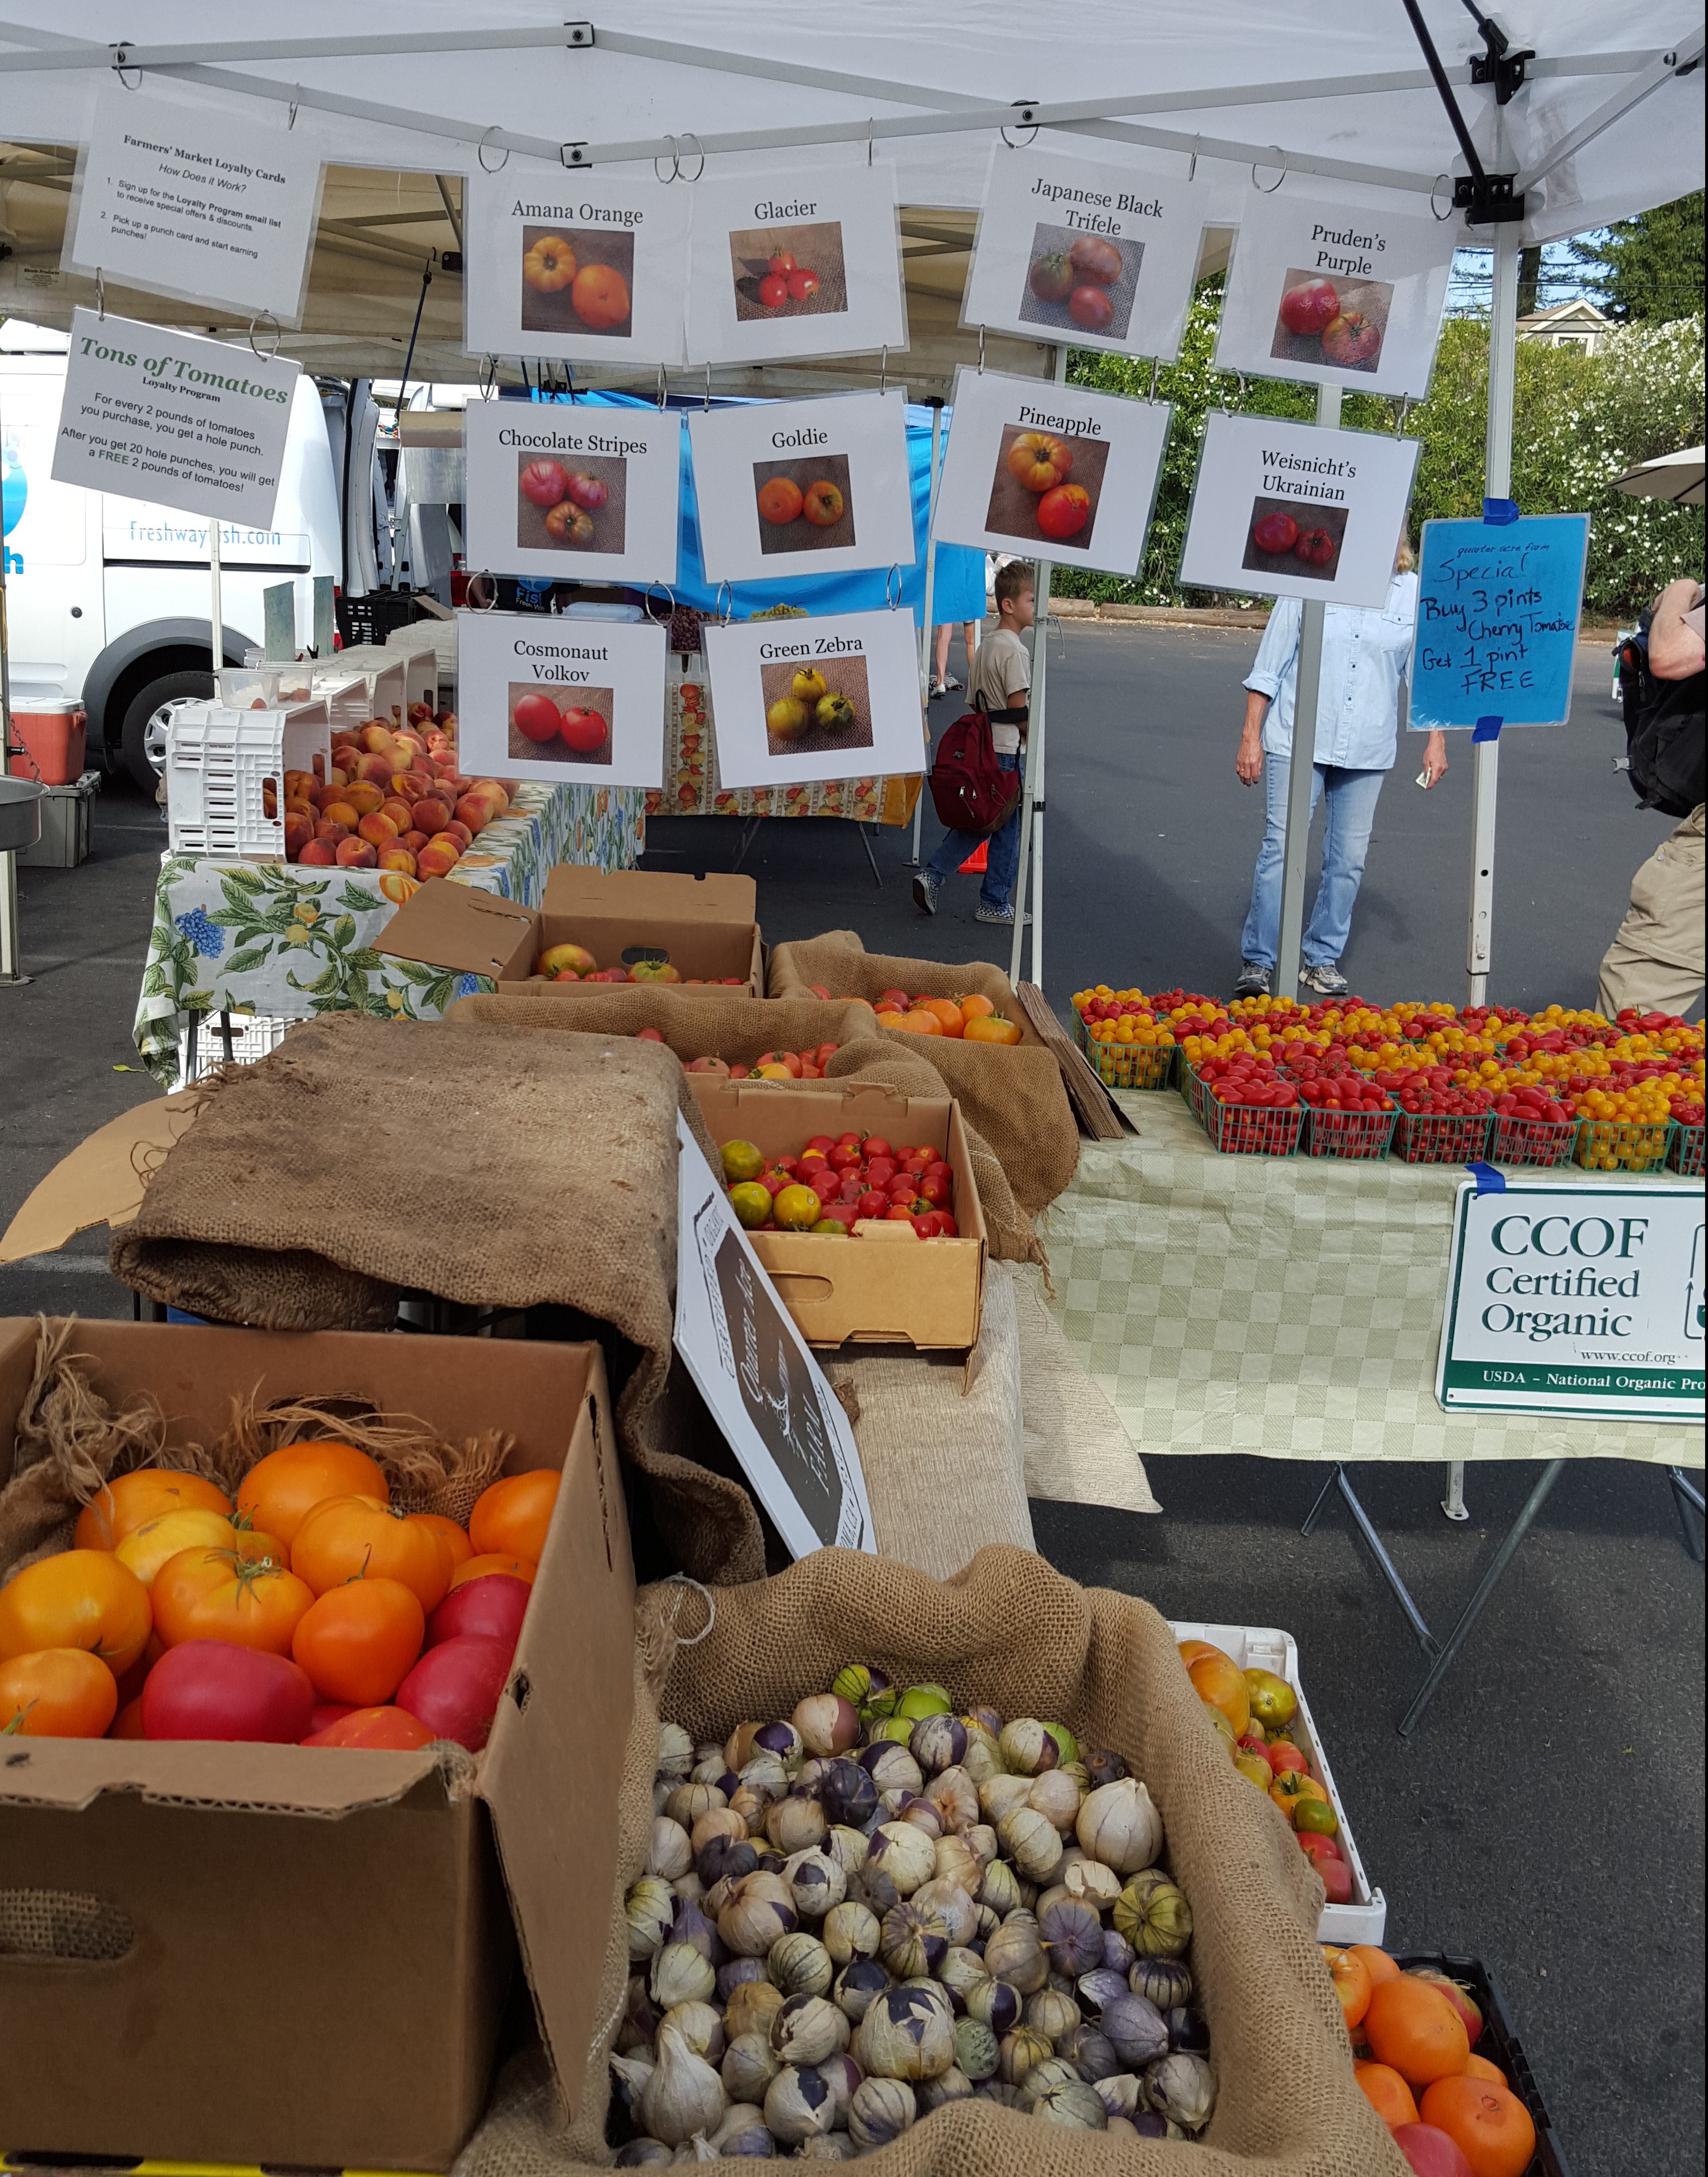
[68,826]
[225,774]
[1364,1916]
[211,1039]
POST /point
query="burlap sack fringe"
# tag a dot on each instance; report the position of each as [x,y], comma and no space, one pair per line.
[702,1025]
[1014,1097]
[562,1150]
[1011,1632]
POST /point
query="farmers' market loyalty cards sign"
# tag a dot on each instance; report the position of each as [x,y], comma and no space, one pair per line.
[571,701]
[567,489]
[1297,510]
[1088,252]
[166,417]
[184,200]
[1584,1299]
[756,1373]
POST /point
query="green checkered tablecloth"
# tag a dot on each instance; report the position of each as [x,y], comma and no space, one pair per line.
[1286,1306]
[273,938]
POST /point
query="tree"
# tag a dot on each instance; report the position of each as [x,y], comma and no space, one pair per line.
[1647,268]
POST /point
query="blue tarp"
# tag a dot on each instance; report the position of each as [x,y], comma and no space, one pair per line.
[817,594]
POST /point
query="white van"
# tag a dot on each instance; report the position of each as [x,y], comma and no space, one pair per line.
[107,598]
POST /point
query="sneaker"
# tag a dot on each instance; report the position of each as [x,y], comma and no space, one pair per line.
[1254,979]
[940,688]
[1004,915]
[926,893]
[1326,980]
[952,686]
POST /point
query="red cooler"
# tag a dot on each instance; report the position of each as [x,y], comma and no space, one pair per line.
[53,730]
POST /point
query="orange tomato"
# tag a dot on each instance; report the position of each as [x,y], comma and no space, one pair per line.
[599,296]
[477,1568]
[1293,1785]
[1415,2029]
[389,1729]
[128,1723]
[360,1537]
[1490,2125]
[991,1028]
[976,1006]
[1352,1979]
[126,1502]
[80,1599]
[948,1014]
[216,1594]
[1386,2092]
[280,1491]
[455,1538]
[1479,2067]
[550,265]
[57,1693]
[358,1641]
[1376,1963]
[512,1517]
[889,1019]
[253,1542]
[146,1548]
[1215,1676]
[918,1022]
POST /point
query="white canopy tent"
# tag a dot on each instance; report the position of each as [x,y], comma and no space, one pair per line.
[1338,95]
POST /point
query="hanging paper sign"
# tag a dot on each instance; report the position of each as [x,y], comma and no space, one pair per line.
[184,200]
[1049,472]
[797,700]
[755,1372]
[570,702]
[174,419]
[574,267]
[1296,510]
[1335,294]
[1584,1299]
[807,263]
[583,493]
[1096,255]
[802,487]
[1497,612]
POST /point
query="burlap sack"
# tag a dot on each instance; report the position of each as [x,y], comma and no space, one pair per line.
[1014,1097]
[739,1029]
[1012,1633]
[489,1166]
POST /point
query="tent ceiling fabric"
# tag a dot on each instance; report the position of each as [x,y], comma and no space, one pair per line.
[384,216]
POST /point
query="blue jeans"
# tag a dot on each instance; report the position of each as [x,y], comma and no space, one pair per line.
[1002,862]
[1345,843]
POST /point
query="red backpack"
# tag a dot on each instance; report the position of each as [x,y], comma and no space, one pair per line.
[970,791]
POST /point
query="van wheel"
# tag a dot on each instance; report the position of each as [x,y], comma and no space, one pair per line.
[142,737]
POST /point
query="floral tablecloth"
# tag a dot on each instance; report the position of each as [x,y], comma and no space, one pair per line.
[274,939]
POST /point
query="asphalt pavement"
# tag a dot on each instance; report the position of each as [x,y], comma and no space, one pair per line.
[1548,1814]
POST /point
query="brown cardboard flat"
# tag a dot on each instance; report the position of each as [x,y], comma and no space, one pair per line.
[102,1180]
[454,925]
[883,1285]
[320,1940]
[705,927]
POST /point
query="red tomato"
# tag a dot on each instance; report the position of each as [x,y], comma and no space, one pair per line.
[216,1689]
[537,718]
[1274,533]
[328,1712]
[1091,308]
[1315,546]
[382,1730]
[803,285]
[545,482]
[773,290]
[1094,257]
[782,260]
[1350,340]
[948,1229]
[585,731]
[493,1605]
[1065,511]
[1311,307]
[455,1687]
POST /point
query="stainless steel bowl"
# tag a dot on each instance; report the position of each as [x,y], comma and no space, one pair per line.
[20,814]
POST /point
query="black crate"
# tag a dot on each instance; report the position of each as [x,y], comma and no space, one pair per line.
[375,617]
[1501,2045]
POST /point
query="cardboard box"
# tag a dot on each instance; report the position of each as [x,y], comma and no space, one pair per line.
[705,927]
[883,1285]
[302,1956]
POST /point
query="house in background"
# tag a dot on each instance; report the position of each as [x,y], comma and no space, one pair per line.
[1578,324]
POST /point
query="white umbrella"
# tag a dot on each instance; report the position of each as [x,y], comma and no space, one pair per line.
[1676,477]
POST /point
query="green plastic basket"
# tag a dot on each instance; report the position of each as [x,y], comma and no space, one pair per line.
[1356,1137]
[1251,1129]
[1622,1145]
[1132,1064]
[1685,1152]
[1441,1136]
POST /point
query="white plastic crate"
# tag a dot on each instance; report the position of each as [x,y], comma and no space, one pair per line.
[1364,1917]
[224,768]
[345,694]
[264,687]
[420,672]
[202,1048]
[388,699]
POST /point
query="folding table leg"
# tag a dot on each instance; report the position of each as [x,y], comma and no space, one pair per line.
[877,873]
[1384,1564]
[1687,1497]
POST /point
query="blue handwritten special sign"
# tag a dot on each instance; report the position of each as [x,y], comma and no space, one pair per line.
[1497,612]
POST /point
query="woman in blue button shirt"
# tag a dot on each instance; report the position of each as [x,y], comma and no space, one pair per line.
[1365,656]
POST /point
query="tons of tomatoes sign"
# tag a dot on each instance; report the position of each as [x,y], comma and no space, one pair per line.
[311,1611]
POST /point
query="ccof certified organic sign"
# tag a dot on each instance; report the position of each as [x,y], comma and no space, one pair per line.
[1096,254]
[1049,472]
[803,261]
[164,416]
[184,200]
[578,266]
[1576,1299]
[1498,611]
[1297,510]
[754,1371]
[572,490]
[811,698]
[802,487]
[571,701]
[1336,294]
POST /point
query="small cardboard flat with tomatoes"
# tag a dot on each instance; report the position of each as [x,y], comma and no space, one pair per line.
[321,1937]
[883,1285]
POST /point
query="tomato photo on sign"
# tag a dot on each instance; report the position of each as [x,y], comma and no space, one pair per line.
[1310,306]
[1039,460]
[1051,278]
[1275,533]
[1065,511]
[544,482]
[1090,308]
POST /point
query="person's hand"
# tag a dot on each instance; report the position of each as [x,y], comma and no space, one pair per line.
[1434,761]
[1249,762]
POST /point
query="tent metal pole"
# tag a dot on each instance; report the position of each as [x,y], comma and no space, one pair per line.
[927,631]
[1503,365]
[1662,70]
[215,603]
[1032,791]
[1307,685]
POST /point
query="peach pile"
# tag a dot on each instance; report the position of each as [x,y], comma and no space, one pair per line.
[392,799]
